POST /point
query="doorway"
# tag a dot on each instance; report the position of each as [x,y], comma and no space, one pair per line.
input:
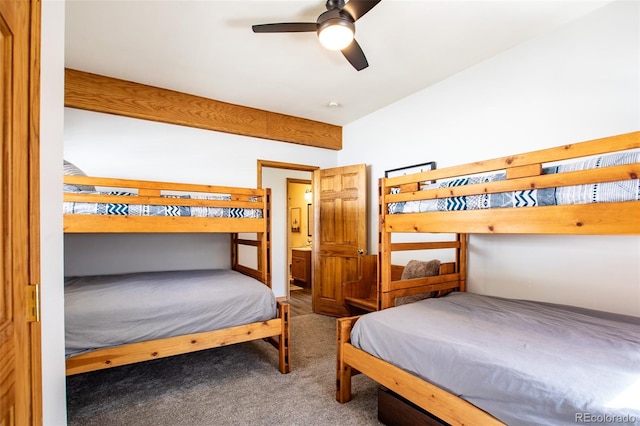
[277,176]
[300,245]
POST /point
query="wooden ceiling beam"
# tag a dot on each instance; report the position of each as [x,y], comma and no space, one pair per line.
[109,95]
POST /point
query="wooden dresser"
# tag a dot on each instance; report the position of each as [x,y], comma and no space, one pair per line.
[301,267]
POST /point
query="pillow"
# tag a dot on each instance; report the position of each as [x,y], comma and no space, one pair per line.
[418,269]
[72,170]
[421,269]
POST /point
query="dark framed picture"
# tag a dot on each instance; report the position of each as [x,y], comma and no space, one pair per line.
[416,168]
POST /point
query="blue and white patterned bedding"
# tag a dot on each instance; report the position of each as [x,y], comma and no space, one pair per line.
[628,190]
[160,210]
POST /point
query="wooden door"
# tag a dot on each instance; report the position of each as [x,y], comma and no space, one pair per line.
[340,233]
[20,381]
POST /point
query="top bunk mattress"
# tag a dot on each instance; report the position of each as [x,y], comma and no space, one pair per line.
[524,362]
[159,210]
[628,190]
[111,310]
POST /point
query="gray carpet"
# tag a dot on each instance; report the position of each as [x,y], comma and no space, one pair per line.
[234,385]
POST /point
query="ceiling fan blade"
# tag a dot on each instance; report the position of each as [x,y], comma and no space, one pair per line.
[355,56]
[286,27]
[357,8]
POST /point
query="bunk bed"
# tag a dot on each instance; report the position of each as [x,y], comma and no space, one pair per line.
[472,359]
[109,318]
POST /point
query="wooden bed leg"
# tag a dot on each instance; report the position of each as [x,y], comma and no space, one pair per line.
[343,371]
[283,344]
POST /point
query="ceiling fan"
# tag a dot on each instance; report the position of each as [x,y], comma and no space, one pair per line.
[335,28]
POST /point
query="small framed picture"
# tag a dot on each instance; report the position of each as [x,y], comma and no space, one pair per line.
[295,219]
[416,168]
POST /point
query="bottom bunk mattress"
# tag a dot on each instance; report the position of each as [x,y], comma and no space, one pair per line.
[111,310]
[526,363]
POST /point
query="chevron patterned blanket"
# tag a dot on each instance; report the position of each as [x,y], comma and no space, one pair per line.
[628,190]
[158,210]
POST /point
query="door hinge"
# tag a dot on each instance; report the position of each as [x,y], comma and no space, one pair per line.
[33,303]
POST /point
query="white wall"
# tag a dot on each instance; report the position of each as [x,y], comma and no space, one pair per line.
[51,140]
[577,83]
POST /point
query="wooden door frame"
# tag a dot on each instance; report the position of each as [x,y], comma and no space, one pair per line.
[35,329]
[282,165]
[21,177]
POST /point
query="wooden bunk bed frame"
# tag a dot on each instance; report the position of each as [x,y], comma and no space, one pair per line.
[522,172]
[276,331]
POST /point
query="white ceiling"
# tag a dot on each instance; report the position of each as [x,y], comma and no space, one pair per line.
[207,48]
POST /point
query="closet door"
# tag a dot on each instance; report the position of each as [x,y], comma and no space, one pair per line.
[340,233]
[20,379]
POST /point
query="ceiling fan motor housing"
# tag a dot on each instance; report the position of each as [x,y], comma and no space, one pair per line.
[335,17]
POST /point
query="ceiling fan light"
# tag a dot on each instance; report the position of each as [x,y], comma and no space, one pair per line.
[336,34]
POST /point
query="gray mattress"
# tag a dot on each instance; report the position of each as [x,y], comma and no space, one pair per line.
[526,363]
[111,310]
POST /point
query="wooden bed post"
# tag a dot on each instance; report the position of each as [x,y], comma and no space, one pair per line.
[343,371]
[264,252]
[234,251]
[461,260]
[384,249]
[283,343]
